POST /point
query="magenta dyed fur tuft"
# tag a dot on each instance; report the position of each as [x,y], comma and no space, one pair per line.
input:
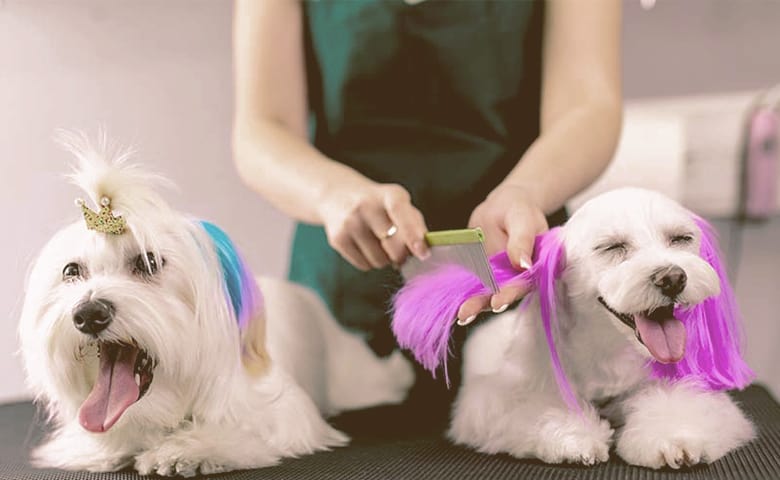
[425,309]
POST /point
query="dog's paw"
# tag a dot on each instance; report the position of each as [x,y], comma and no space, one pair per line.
[678,425]
[189,457]
[676,453]
[575,441]
[679,454]
[149,463]
[581,449]
[167,467]
[596,452]
[168,463]
[208,467]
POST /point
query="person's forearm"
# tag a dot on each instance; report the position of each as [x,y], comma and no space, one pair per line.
[286,170]
[569,155]
[270,148]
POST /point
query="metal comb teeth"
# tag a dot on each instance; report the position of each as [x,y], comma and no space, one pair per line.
[464,248]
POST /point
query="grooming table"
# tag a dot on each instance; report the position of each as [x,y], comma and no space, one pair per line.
[387,444]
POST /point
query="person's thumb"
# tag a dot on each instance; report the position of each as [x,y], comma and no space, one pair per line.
[520,247]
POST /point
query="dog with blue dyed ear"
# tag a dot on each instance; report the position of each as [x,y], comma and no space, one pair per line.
[150,344]
[630,338]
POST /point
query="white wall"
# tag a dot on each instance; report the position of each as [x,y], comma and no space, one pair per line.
[690,47]
[157,73]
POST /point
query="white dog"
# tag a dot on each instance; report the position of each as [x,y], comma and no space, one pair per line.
[150,346]
[629,339]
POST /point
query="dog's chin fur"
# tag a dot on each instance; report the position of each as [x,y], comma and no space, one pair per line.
[509,401]
[204,411]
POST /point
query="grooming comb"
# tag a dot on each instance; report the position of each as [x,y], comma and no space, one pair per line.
[454,247]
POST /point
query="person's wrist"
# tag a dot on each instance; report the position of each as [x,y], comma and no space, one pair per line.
[527,191]
[336,191]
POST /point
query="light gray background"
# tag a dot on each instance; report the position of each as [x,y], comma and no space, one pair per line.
[157,74]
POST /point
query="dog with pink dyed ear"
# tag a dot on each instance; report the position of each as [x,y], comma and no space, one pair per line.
[630,338]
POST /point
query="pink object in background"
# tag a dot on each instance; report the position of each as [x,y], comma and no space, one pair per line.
[760,187]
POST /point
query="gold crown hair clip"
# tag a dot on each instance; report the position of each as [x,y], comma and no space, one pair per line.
[104,220]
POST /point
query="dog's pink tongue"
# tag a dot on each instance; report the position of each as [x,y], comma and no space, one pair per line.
[115,388]
[664,337]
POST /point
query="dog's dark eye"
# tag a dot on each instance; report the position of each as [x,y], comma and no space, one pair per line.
[147,264]
[72,271]
[681,239]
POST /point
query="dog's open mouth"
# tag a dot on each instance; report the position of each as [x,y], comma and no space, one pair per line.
[124,376]
[658,330]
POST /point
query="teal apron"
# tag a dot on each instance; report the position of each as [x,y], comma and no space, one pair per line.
[440,97]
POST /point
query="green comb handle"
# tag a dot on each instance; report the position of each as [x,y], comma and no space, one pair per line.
[455,237]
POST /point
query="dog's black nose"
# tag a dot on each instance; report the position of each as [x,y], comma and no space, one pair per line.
[94,316]
[670,280]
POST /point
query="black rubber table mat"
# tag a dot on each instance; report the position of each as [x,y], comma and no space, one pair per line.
[385,447]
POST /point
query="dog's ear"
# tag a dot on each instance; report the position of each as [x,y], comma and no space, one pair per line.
[245,298]
[548,266]
[713,352]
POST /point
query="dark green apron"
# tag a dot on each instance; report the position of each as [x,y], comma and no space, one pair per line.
[441,97]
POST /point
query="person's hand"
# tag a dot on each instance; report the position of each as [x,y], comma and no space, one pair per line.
[373,225]
[511,220]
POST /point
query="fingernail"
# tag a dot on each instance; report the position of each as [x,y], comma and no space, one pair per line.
[421,251]
[525,263]
[501,309]
[466,321]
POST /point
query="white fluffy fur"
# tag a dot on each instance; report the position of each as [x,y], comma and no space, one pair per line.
[203,412]
[509,401]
